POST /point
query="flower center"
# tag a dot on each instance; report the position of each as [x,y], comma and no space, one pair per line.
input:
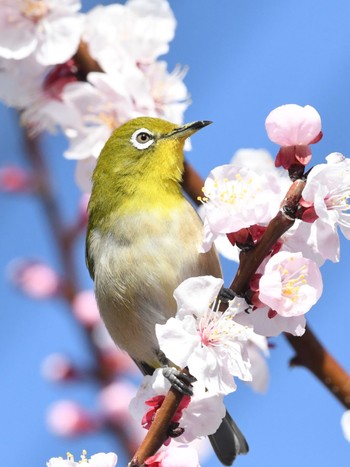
[106,116]
[291,282]
[338,198]
[35,9]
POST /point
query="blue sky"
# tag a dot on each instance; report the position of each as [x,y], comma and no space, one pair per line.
[244,58]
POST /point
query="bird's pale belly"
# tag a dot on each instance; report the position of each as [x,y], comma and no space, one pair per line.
[138,265]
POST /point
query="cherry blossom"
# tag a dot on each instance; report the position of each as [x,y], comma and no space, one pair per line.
[291,284]
[235,198]
[294,128]
[200,416]
[327,193]
[206,340]
[48,29]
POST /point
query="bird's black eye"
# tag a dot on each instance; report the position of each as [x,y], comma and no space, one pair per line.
[142,139]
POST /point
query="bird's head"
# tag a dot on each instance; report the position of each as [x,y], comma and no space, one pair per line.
[145,145]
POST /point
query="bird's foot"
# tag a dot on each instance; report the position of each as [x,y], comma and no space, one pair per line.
[226,295]
[180,381]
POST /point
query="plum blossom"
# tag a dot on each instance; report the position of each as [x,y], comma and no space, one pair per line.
[257,348]
[174,456]
[210,343]
[36,279]
[67,418]
[291,284]
[47,29]
[85,308]
[200,416]
[121,36]
[97,460]
[327,194]
[345,424]
[57,367]
[236,198]
[15,179]
[270,324]
[294,128]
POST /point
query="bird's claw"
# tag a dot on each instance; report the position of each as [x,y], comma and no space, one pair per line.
[180,381]
[226,295]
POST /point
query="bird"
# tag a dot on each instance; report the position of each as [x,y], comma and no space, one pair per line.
[143,240]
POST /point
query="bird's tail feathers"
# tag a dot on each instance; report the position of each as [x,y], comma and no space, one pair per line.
[228,441]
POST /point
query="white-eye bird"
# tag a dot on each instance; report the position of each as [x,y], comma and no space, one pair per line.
[143,240]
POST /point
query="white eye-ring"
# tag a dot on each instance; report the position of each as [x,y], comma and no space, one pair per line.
[142,138]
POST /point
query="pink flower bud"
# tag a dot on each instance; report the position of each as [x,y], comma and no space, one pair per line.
[293,125]
[35,279]
[294,128]
[14,179]
[85,309]
[67,418]
[57,367]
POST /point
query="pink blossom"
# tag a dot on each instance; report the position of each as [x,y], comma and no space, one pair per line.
[114,400]
[67,418]
[179,456]
[270,324]
[327,192]
[236,198]
[48,29]
[293,127]
[291,284]
[201,417]
[35,279]
[211,343]
[57,367]
[15,179]
[85,308]
[345,424]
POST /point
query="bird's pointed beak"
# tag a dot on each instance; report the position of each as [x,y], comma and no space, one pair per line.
[187,130]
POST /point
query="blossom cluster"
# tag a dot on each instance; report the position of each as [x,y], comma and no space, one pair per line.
[239,202]
[41,45]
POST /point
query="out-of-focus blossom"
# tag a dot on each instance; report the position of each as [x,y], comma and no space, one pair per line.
[67,418]
[85,308]
[210,343]
[97,460]
[201,417]
[15,180]
[291,284]
[137,32]
[294,128]
[235,198]
[174,456]
[327,192]
[345,424]
[257,348]
[48,29]
[114,400]
[36,279]
[57,367]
